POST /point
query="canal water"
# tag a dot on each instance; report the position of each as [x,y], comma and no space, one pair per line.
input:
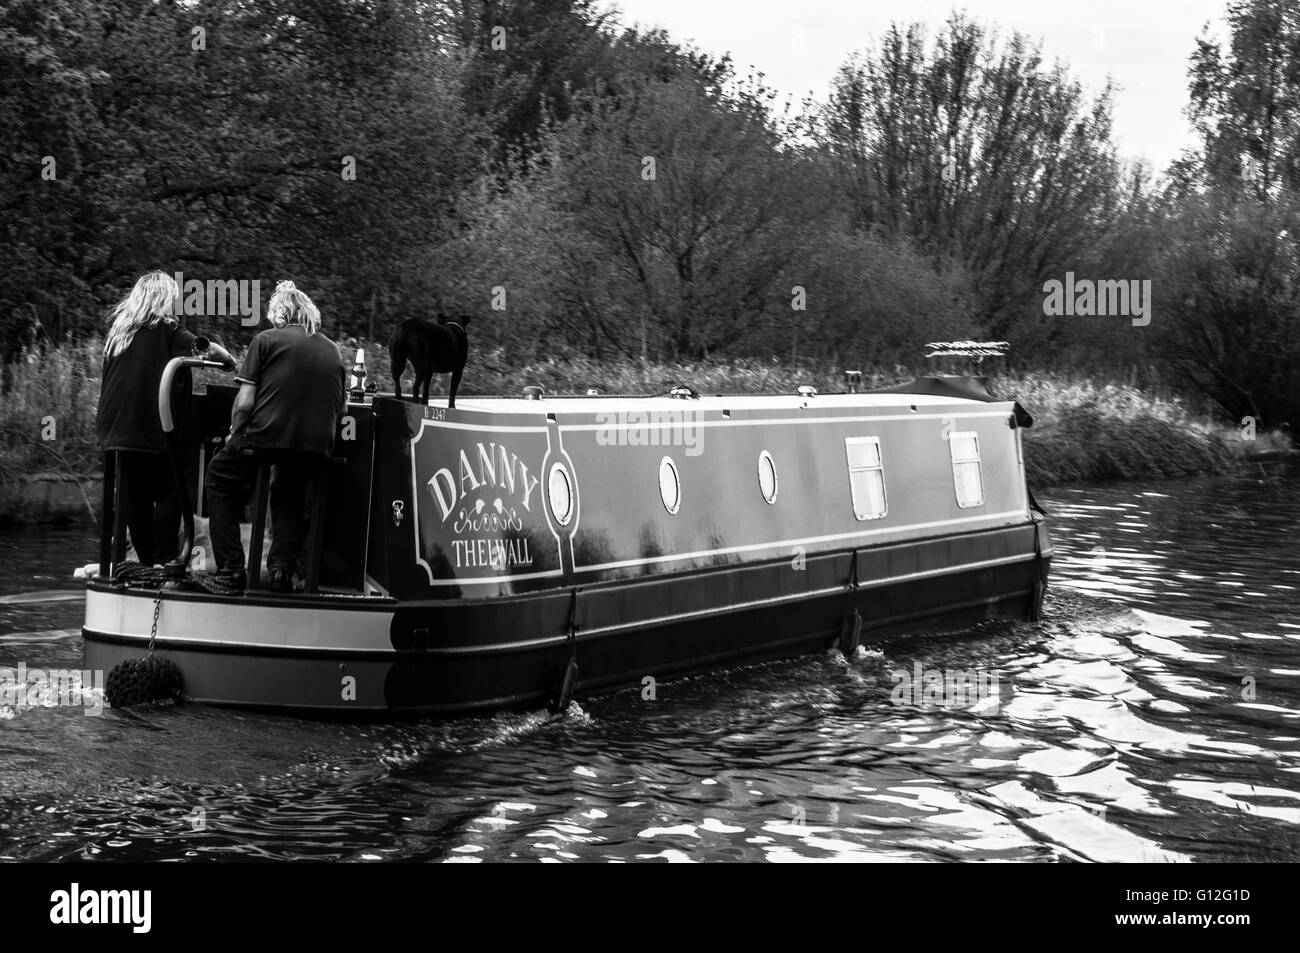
[1154,715]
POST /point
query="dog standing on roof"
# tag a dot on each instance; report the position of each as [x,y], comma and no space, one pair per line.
[440,348]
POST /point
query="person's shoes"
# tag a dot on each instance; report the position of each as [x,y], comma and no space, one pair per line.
[281,580]
[235,580]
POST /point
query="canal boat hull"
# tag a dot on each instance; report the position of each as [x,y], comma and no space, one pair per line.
[453,586]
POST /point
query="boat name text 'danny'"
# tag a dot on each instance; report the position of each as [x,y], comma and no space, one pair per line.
[484,494]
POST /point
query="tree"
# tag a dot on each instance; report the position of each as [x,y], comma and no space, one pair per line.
[977,152]
[1231,219]
[1234,327]
[1245,101]
[219,139]
[692,202]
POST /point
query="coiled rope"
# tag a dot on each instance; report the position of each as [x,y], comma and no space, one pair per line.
[136,576]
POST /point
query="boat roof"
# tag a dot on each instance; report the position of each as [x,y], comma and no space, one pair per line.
[925,392]
[596,404]
[931,391]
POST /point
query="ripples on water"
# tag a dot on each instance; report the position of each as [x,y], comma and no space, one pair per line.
[1119,732]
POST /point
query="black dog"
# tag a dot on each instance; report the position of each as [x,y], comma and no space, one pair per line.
[432,349]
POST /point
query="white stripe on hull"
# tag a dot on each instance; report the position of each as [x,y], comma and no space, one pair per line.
[237,623]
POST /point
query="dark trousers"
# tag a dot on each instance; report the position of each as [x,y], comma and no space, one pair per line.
[231,476]
[153,513]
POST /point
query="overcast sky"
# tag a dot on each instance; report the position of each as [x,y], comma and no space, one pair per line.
[1142,44]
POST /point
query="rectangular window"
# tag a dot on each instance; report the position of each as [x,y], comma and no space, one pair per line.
[866,477]
[966,474]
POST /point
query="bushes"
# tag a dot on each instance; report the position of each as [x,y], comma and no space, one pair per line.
[48,424]
[1086,431]
[50,395]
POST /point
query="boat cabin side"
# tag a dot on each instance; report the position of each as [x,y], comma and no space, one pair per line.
[502,496]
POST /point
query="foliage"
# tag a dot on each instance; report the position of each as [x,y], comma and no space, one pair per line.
[594,193]
[974,149]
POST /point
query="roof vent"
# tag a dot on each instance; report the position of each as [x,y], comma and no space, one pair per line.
[807,390]
[853,380]
[532,392]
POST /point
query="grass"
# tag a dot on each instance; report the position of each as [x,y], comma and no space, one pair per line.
[1084,431]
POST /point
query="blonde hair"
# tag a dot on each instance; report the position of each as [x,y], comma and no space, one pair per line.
[150,301]
[290,306]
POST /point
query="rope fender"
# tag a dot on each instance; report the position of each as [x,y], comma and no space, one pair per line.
[144,681]
[148,680]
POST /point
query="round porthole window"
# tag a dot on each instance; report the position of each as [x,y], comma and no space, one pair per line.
[767,476]
[561,494]
[670,487]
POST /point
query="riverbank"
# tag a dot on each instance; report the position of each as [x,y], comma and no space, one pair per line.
[1084,431]
[1090,432]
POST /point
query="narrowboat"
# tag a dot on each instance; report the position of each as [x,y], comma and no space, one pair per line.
[524,551]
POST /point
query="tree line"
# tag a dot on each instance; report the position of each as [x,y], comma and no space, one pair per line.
[588,189]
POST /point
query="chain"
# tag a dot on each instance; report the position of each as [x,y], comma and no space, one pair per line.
[153,633]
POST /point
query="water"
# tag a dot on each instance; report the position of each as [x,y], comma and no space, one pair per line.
[1155,715]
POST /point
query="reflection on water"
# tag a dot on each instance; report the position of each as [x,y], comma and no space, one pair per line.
[1155,715]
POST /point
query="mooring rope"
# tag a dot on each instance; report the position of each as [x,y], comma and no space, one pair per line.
[136,576]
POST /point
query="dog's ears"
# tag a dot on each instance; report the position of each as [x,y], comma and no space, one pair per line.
[442,318]
[464,319]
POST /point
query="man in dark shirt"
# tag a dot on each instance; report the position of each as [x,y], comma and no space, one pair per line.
[290,399]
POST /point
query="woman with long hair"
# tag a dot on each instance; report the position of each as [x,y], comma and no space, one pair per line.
[143,335]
